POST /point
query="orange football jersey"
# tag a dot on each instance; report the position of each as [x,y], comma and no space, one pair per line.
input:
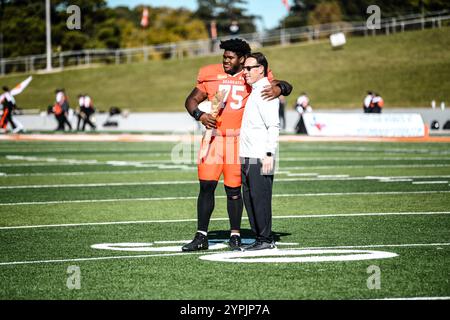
[212,79]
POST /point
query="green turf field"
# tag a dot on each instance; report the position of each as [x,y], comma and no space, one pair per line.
[57,200]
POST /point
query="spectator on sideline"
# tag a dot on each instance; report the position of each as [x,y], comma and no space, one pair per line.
[61,110]
[378,103]
[302,105]
[368,102]
[88,111]
[9,104]
[79,112]
[281,112]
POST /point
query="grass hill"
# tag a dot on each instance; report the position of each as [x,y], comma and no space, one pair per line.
[408,69]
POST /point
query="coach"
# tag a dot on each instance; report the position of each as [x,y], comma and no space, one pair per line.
[258,144]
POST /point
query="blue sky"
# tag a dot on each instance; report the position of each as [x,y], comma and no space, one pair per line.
[271,11]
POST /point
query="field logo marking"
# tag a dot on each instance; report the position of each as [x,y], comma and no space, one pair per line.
[263,256]
[299,256]
[151,246]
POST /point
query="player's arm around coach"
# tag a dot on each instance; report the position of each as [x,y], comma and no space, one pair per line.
[258,144]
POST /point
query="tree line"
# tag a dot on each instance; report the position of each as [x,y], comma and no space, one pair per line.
[22,22]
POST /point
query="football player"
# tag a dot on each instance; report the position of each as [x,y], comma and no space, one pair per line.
[223,154]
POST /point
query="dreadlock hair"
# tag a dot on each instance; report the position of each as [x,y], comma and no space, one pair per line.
[238,46]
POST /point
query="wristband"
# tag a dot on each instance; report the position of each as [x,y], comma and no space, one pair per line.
[285,90]
[197,114]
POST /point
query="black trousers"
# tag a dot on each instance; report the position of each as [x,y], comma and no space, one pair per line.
[87,120]
[7,117]
[257,194]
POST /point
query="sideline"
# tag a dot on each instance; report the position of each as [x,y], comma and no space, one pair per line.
[190,138]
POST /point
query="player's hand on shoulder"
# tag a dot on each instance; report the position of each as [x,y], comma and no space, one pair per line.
[271,92]
[208,121]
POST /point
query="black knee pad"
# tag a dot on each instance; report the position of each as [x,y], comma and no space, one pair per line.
[233,193]
[207,186]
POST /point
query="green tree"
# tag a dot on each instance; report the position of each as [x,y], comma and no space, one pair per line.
[224,12]
[298,14]
[325,12]
[22,25]
[165,25]
[355,10]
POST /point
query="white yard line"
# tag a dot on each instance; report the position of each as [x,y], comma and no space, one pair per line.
[109,184]
[353,159]
[192,167]
[194,198]
[85,173]
[385,149]
[430,182]
[98,258]
[416,298]
[337,215]
[316,178]
[381,166]
[202,253]
[80,162]
[378,246]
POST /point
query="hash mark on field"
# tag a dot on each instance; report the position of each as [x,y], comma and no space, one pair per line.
[226,219]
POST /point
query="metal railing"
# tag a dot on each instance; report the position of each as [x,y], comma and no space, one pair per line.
[180,50]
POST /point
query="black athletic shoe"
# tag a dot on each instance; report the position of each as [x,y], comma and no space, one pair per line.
[235,243]
[200,242]
[260,245]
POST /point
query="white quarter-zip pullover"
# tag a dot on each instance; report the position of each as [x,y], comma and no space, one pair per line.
[260,124]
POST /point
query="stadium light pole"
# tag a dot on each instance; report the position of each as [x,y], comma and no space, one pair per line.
[2,7]
[49,35]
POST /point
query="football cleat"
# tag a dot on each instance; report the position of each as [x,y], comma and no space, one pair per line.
[235,242]
[200,242]
[260,245]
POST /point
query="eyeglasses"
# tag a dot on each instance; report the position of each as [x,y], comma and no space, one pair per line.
[248,68]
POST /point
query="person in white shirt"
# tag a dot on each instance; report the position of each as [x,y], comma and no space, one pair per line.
[62,101]
[79,112]
[258,145]
[302,105]
[367,104]
[88,110]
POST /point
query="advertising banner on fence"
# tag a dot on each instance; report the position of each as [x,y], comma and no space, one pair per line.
[364,125]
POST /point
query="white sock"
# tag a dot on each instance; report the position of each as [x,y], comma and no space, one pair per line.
[203,232]
[235,234]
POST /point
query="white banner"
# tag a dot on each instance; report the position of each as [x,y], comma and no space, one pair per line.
[364,125]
